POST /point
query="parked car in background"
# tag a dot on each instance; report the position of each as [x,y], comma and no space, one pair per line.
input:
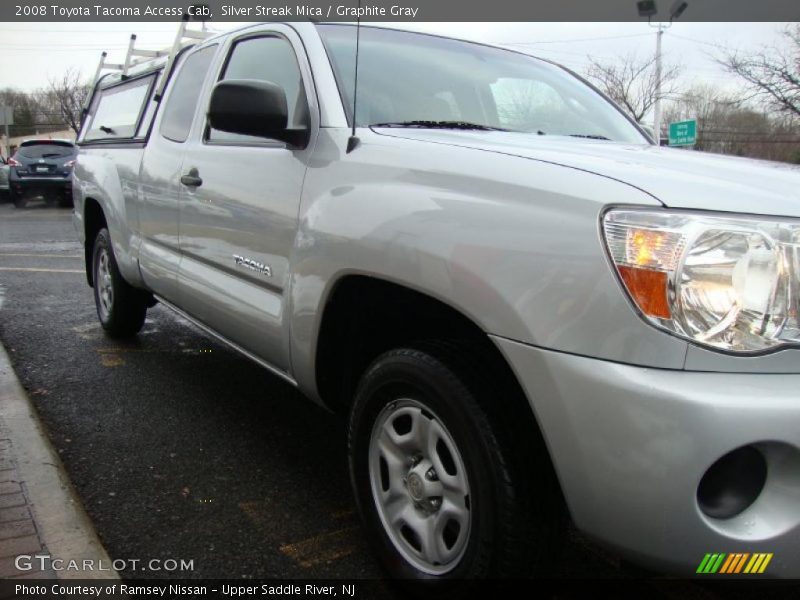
[42,168]
[3,178]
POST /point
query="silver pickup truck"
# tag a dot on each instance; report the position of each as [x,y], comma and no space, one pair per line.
[529,312]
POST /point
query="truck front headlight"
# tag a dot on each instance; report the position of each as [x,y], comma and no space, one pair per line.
[726,282]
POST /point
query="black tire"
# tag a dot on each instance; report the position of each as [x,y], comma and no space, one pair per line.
[65,202]
[123,311]
[518,519]
[19,199]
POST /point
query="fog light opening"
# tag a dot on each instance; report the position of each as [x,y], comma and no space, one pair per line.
[733,483]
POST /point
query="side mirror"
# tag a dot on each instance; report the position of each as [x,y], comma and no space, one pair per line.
[252,107]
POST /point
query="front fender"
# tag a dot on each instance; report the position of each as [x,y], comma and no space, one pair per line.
[511,243]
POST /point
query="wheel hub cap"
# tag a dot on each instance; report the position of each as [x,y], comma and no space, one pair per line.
[104,283]
[415,487]
[420,486]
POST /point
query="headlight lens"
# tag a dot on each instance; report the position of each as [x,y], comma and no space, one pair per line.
[727,283]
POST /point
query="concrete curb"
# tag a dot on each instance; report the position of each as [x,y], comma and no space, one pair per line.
[62,524]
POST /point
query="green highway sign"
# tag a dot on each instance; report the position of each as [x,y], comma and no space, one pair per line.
[683,133]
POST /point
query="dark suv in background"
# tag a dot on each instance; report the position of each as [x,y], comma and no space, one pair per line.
[3,178]
[42,168]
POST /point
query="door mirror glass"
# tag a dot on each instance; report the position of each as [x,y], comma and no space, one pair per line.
[251,107]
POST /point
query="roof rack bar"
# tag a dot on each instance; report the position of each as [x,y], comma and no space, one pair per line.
[184,37]
[177,45]
[149,53]
[100,67]
[196,35]
[129,55]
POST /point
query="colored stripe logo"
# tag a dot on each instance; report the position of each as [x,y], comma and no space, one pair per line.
[734,563]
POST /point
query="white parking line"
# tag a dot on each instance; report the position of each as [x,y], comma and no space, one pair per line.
[42,255]
[35,270]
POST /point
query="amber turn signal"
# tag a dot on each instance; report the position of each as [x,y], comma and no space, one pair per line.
[648,289]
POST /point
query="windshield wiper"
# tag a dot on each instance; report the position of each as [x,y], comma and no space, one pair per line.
[589,136]
[441,125]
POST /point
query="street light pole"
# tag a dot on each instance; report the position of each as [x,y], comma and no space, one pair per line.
[657,105]
[647,8]
[8,115]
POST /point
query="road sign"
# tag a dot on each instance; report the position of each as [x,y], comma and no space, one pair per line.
[6,115]
[683,133]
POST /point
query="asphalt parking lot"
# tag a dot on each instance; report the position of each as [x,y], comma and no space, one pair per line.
[178,447]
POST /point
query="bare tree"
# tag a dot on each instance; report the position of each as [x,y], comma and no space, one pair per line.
[526,105]
[772,73]
[632,83]
[728,125]
[709,105]
[66,95]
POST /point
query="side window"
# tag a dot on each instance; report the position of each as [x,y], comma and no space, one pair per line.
[117,110]
[182,102]
[266,59]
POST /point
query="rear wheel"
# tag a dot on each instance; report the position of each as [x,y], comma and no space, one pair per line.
[438,484]
[120,306]
[18,198]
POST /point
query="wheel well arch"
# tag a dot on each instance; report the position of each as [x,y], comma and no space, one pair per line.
[366,316]
[94,219]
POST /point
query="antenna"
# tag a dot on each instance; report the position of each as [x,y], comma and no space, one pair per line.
[353,141]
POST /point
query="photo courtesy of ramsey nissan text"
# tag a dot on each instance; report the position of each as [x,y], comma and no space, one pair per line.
[381,300]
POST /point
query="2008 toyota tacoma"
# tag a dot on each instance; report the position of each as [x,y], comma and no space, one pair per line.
[529,311]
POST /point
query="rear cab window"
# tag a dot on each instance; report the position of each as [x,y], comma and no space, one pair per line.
[118,110]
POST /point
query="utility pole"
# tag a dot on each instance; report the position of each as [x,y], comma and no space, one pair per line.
[647,8]
[657,106]
[8,119]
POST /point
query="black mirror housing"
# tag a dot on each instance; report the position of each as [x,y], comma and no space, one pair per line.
[253,107]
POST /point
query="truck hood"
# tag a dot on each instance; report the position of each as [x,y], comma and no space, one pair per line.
[677,178]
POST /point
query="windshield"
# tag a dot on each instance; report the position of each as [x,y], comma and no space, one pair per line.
[411,79]
[46,150]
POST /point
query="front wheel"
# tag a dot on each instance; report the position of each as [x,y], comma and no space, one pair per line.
[434,474]
[120,307]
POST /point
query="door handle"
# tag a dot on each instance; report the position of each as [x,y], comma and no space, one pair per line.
[192,178]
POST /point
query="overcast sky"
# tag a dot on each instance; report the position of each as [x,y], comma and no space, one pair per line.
[33,52]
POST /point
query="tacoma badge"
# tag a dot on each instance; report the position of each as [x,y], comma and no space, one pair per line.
[249,263]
